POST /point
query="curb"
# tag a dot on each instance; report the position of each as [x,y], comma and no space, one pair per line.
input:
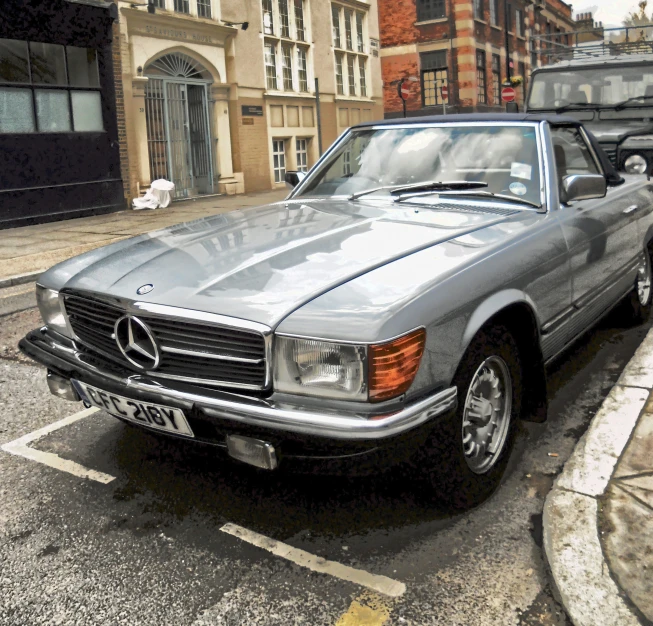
[20,279]
[572,542]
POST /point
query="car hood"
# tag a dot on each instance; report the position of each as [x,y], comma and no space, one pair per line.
[262,264]
[613,131]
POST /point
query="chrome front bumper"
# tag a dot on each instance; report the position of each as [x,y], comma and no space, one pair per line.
[380,422]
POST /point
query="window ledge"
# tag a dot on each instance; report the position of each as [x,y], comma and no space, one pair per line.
[354,99]
[437,20]
[496,27]
[480,21]
[289,94]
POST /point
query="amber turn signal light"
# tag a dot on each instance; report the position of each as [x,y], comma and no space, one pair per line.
[393,365]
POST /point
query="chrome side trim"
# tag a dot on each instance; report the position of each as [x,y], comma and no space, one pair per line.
[209,355]
[207,382]
[51,353]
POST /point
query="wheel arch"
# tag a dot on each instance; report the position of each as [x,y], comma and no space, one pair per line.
[514,310]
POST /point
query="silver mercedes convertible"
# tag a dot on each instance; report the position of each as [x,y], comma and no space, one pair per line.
[401,303]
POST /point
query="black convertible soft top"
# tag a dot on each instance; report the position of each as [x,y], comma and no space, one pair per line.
[611,174]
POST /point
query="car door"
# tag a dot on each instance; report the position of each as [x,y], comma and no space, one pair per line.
[601,233]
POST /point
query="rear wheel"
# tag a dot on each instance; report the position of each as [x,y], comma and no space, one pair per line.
[470,449]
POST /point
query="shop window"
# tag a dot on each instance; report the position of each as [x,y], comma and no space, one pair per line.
[430,10]
[204,8]
[181,6]
[302,155]
[434,75]
[302,72]
[61,93]
[496,79]
[16,111]
[480,77]
[279,160]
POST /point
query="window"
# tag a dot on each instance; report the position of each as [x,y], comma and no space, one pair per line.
[360,46]
[204,8]
[279,160]
[509,17]
[270,66]
[299,20]
[348,36]
[301,69]
[434,75]
[302,155]
[284,20]
[286,66]
[478,9]
[351,68]
[521,68]
[519,23]
[363,75]
[181,6]
[339,82]
[48,88]
[494,12]
[496,79]
[572,156]
[161,4]
[335,24]
[268,19]
[480,77]
[430,10]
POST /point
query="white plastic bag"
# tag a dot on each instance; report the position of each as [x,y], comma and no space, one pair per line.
[158,195]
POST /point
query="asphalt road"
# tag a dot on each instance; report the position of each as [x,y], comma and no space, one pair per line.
[147,548]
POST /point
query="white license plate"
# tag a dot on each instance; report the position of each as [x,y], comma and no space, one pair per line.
[144,413]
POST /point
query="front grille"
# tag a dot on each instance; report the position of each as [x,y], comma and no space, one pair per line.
[611,151]
[192,351]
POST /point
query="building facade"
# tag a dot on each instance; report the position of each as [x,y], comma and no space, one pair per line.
[59,137]
[463,44]
[220,94]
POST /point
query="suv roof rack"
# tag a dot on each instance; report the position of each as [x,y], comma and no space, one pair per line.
[599,44]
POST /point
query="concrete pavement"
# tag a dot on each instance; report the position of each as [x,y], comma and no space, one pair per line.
[598,518]
[28,250]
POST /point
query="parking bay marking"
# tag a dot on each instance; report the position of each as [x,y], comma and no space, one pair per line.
[19,447]
[381,584]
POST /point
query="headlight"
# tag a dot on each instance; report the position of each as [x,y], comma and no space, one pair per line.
[347,371]
[50,308]
[635,164]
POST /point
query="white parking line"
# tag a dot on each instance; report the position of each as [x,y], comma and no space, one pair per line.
[381,584]
[19,447]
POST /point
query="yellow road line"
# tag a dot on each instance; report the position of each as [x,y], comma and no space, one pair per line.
[368,609]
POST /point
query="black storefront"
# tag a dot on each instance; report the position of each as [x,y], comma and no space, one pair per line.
[59,153]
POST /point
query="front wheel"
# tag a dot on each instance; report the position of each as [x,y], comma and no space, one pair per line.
[641,297]
[470,449]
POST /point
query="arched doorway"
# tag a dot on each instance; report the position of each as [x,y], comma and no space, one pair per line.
[178,124]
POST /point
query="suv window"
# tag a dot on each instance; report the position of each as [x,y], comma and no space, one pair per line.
[572,155]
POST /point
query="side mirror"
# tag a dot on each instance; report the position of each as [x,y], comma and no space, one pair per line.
[293,179]
[583,187]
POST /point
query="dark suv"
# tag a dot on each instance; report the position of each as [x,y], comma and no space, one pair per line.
[611,95]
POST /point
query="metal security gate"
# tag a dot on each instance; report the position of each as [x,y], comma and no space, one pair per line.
[179,134]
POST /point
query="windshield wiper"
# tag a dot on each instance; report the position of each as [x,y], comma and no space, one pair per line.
[622,105]
[565,107]
[423,186]
[485,194]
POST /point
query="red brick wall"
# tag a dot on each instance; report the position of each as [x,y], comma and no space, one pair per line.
[396,22]
[394,68]
[120,112]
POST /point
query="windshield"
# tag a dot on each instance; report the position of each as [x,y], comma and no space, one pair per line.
[504,157]
[605,87]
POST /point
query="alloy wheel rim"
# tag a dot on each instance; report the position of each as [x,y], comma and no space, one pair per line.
[487,414]
[644,282]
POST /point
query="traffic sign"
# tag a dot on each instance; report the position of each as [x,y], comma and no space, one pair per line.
[508,94]
[445,92]
[404,90]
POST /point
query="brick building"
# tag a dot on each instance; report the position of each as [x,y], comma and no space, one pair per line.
[462,44]
[220,94]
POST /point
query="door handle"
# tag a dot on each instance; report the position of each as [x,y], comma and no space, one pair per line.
[630,209]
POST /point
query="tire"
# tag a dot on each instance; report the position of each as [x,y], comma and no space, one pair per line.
[459,472]
[640,300]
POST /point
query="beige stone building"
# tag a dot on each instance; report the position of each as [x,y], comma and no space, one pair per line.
[220,94]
